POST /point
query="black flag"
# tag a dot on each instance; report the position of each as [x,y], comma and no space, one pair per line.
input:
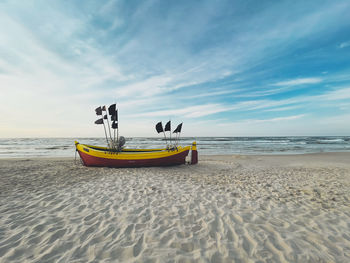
[115,116]
[111,110]
[178,128]
[98,111]
[99,121]
[105,117]
[159,127]
[115,125]
[167,126]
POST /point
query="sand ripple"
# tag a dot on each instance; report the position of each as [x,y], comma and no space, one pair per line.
[219,211]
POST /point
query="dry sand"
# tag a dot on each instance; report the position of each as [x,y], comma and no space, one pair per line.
[225,209]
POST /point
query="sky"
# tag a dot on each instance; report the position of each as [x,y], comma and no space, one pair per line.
[223,68]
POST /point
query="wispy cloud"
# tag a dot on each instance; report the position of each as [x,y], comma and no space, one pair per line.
[298,81]
[215,93]
[277,119]
[344,44]
[284,108]
[189,112]
[228,61]
[338,94]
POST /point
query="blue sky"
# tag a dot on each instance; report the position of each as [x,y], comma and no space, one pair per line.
[224,68]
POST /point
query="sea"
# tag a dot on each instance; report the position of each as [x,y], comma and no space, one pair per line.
[64,147]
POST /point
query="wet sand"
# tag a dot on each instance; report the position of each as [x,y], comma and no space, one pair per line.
[232,208]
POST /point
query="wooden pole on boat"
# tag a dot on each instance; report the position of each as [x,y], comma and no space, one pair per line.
[115,125]
[175,137]
[168,128]
[166,142]
[104,127]
[99,112]
[178,138]
[177,131]
[118,134]
[116,116]
[114,136]
[170,137]
[115,119]
[159,129]
[170,132]
[109,128]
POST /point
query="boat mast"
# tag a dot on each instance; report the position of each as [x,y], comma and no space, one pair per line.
[166,142]
[99,111]
[116,114]
[168,128]
[104,127]
[115,119]
[178,131]
[109,129]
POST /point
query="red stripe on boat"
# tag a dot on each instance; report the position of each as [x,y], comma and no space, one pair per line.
[175,159]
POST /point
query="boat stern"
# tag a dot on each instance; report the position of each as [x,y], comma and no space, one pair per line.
[194,153]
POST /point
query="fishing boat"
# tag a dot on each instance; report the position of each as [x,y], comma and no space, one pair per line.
[116,155]
[105,157]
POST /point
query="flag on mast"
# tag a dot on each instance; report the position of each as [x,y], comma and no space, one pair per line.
[177,131]
[99,121]
[178,128]
[159,127]
[111,109]
[115,116]
[167,126]
[98,111]
[115,125]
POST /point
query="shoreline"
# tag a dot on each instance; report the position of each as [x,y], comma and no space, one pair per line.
[204,155]
[282,145]
[226,208]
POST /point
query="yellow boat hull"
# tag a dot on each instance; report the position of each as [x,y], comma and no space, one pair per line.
[101,156]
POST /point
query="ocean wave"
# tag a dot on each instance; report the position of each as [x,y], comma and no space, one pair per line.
[54,147]
[326,141]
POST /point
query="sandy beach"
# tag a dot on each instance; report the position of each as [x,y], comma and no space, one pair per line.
[232,208]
